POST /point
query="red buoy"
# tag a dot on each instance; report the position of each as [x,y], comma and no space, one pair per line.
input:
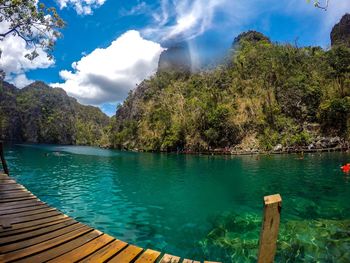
[345,168]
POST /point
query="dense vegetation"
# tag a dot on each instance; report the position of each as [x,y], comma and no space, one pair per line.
[267,96]
[41,114]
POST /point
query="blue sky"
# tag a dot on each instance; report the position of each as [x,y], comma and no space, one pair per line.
[110,46]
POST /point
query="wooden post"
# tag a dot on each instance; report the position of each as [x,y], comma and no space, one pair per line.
[269,229]
[3,161]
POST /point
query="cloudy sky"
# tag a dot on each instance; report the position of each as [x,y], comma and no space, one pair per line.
[110,46]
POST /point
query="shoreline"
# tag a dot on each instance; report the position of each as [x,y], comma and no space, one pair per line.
[237,153]
[289,150]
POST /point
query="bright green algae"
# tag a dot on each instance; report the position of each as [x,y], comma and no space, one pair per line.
[200,207]
[314,240]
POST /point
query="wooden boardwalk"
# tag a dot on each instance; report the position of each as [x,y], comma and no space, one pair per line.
[32,231]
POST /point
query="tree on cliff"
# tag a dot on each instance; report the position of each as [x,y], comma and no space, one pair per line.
[33,22]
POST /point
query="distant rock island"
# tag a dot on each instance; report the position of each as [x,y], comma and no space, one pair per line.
[42,114]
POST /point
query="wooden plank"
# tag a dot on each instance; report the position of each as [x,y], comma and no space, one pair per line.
[187,261]
[17,231]
[22,209]
[16,220]
[85,250]
[42,238]
[11,187]
[5,180]
[149,256]
[32,223]
[25,252]
[3,175]
[27,213]
[11,195]
[18,199]
[169,259]
[63,248]
[35,232]
[13,190]
[126,255]
[106,252]
[11,181]
[20,204]
[269,229]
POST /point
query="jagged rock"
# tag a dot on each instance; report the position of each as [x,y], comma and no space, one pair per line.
[278,148]
[341,32]
[175,58]
[311,146]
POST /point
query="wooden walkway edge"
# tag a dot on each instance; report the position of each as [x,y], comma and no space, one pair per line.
[32,231]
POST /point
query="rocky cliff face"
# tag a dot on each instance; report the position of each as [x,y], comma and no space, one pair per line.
[176,58]
[341,32]
[41,114]
[9,116]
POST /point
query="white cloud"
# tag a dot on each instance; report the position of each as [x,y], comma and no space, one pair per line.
[138,9]
[82,7]
[20,80]
[108,74]
[183,19]
[13,60]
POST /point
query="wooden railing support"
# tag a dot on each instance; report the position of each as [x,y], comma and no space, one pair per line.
[269,229]
[3,161]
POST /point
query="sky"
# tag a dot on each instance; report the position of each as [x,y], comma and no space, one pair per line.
[110,46]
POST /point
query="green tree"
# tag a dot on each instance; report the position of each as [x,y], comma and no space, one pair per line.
[339,61]
[33,22]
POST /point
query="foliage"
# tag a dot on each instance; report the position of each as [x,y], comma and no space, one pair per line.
[36,24]
[270,90]
[335,114]
[41,114]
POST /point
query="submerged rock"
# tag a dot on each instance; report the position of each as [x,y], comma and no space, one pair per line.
[237,237]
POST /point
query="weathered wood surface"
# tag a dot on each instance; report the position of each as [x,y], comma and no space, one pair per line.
[269,230]
[32,231]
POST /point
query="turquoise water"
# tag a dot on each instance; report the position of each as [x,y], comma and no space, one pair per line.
[200,207]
